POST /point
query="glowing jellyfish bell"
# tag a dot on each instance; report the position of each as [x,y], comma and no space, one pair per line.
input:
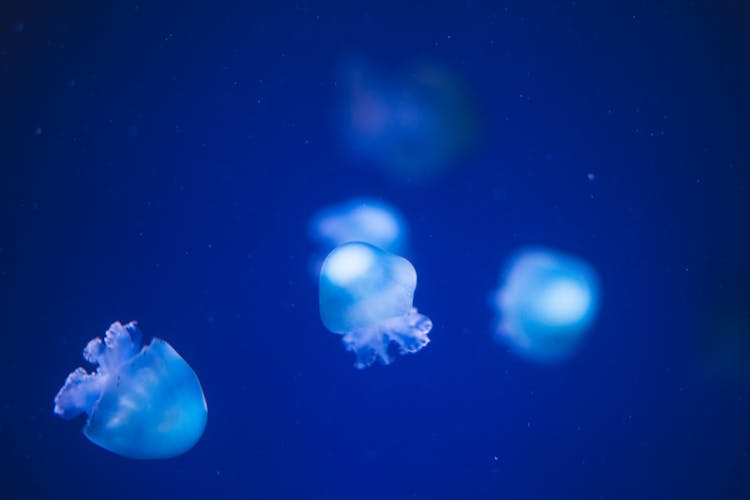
[366,295]
[142,402]
[360,219]
[546,304]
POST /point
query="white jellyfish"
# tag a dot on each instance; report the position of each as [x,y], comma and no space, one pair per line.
[546,303]
[360,219]
[366,295]
[142,402]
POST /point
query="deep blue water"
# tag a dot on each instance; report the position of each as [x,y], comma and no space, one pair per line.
[160,163]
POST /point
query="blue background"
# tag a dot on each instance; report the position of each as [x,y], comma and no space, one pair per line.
[160,163]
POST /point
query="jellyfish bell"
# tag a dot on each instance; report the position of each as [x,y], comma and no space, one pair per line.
[142,401]
[360,219]
[366,295]
[415,125]
[546,304]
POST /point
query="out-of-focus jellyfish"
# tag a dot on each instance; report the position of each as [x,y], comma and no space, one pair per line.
[721,325]
[546,303]
[366,295]
[724,344]
[142,402]
[413,126]
[360,219]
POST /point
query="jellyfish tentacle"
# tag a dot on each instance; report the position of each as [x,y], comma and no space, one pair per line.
[408,332]
[78,394]
[411,336]
[368,346]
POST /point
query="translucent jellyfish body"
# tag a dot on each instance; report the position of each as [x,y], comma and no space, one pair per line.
[413,126]
[546,303]
[360,219]
[142,402]
[366,295]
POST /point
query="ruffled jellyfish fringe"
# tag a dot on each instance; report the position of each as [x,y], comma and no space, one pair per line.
[408,332]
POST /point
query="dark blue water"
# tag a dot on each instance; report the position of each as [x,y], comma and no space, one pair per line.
[160,163]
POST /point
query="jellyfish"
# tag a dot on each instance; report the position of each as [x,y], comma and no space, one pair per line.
[721,329]
[546,304]
[360,219]
[366,295]
[413,126]
[142,401]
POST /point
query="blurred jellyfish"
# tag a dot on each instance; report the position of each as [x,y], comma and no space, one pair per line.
[546,303]
[142,401]
[413,127]
[721,325]
[366,295]
[723,343]
[360,219]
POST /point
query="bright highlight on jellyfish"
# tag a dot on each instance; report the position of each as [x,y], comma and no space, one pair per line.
[360,219]
[546,303]
[142,401]
[366,295]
